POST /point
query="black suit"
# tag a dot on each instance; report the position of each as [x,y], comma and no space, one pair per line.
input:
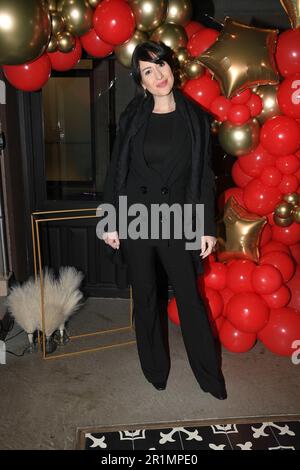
[188,179]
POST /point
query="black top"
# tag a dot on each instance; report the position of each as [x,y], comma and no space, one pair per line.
[164,135]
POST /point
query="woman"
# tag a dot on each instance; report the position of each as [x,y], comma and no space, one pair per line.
[162,156]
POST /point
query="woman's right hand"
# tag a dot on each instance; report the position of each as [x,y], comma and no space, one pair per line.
[111,239]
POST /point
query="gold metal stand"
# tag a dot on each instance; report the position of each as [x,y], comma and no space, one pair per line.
[36,219]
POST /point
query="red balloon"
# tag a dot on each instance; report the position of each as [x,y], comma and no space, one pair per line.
[288,184]
[261,199]
[215,275]
[94,45]
[248,312]
[282,261]
[255,104]
[63,61]
[225,195]
[254,162]
[214,302]
[30,76]
[295,250]
[201,41]
[226,295]
[280,135]
[278,299]
[274,246]
[239,275]
[288,164]
[238,114]
[235,340]
[288,52]
[271,176]
[219,107]
[288,96]
[240,178]
[114,21]
[281,331]
[266,235]
[294,286]
[266,279]
[288,235]
[203,90]
[241,98]
[192,28]
[173,311]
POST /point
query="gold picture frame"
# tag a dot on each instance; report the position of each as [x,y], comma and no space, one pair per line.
[38,217]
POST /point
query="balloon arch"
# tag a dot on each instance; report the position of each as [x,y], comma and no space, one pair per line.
[248,78]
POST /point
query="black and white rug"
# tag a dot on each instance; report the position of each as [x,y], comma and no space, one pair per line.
[260,434]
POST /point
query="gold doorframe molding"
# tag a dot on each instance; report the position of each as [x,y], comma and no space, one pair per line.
[38,217]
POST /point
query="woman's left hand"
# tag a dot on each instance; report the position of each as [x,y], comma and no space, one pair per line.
[208,241]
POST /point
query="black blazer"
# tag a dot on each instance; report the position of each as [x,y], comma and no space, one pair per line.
[134,178]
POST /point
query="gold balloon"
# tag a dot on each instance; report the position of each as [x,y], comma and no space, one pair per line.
[182,55]
[78,15]
[239,233]
[179,12]
[182,78]
[239,140]
[124,51]
[292,7]
[65,42]
[57,23]
[52,46]
[149,14]
[215,125]
[172,35]
[283,210]
[94,3]
[193,69]
[292,198]
[268,94]
[296,214]
[25,30]
[242,57]
[52,5]
[283,222]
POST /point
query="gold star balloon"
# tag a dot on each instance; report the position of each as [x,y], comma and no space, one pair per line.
[242,57]
[292,7]
[239,233]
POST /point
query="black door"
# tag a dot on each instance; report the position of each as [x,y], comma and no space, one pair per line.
[70,129]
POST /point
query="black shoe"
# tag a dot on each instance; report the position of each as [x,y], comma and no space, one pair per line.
[219,395]
[159,385]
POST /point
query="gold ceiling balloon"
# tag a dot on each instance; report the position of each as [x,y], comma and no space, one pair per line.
[179,12]
[172,35]
[52,5]
[124,51]
[52,46]
[25,30]
[78,15]
[283,222]
[239,140]
[65,42]
[57,23]
[149,14]
[94,3]
[193,69]
[292,198]
[268,94]
[242,57]
[182,55]
[292,7]
[239,233]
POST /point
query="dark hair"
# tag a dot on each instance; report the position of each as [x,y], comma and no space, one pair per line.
[161,52]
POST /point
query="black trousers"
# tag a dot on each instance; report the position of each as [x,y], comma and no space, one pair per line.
[202,350]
